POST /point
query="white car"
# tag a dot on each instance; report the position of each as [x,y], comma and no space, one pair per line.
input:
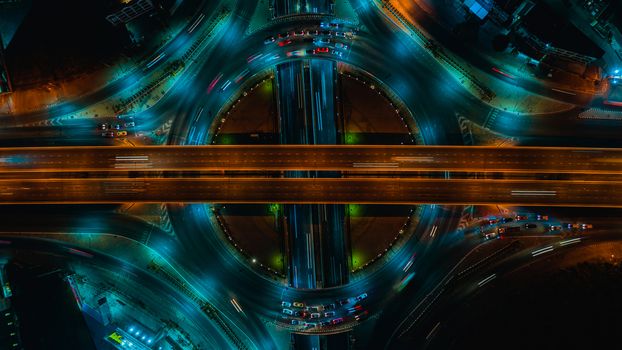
[288,312]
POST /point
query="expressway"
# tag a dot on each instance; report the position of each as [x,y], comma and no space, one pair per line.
[318,158]
[318,190]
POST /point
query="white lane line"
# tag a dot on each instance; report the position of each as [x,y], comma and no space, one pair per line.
[413,159]
[570,241]
[542,251]
[433,231]
[563,92]
[533,193]
[408,265]
[237,306]
[375,165]
[432,331]
[487,279]
[196,23]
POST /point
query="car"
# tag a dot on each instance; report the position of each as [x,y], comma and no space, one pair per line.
[118,126]
[337,320]
[542,217]
[341,46]
[361,315]
[122,133]
[311,324]
[329,314]
[294,322]
[326,32]
[269,40]
[324,24]
[297,53]
[492,221]
[321,41]
[301,32]
[283,35]
[299,304]
[330,306]
[361,297]
[285,42]
[288,312]
[325,323]
[334,25]
[315,315]
[493,234]
[530,226]
[521,217]
[321,50]
[103,126]
[555,228]
[108,134]
[504,220]
[286,304]
[337,53]
[586,226]
[341,34]
[130,124]
[343,301]
[301,314]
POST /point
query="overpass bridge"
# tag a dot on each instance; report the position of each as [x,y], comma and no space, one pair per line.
[345,158]
[314,190]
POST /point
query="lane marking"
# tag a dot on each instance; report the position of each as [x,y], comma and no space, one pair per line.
[542,251]
[487,279]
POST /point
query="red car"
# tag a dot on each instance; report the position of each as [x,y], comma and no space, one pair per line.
[321,50]
[285,42]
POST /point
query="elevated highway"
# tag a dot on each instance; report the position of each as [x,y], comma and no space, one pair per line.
[318,190]
[347,158]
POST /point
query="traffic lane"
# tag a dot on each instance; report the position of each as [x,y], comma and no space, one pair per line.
[300,157]
[301,237]
[112,88]
[214,267]
[113,266]
[564,124]
[460,290]
[314,191]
